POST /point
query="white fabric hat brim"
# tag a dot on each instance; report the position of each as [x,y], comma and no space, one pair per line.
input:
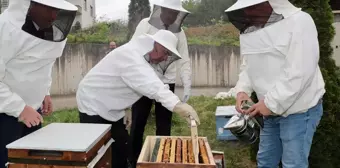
[240,4]
[181,9]
[63,5]
[164,44]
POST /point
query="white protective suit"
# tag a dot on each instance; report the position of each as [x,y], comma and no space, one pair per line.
[26,61]
[280,61]
[183,65]
[120,79]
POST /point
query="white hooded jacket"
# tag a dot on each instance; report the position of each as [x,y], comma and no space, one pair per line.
[120,79]
[281,61]
[182,64]
[25,62]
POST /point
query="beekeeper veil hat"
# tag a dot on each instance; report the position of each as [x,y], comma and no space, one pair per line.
[49,20]
[168,14]
[252,15]
[168,40]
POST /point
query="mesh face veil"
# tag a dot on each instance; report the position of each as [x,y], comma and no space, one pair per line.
[162,66]
[255,17]
[58,26]
[166,18]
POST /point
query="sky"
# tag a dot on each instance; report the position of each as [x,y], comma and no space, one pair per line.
[113,9]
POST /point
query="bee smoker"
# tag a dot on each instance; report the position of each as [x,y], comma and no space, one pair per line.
[245,128]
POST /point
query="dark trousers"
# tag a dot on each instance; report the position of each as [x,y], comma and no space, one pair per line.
[140,113]
[118,133]
[10,131]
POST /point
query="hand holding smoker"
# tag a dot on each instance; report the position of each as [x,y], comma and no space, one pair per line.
[245,128]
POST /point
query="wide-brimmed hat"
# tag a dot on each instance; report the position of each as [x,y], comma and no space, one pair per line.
[167,39]
[171,4]
[59,4]
[240,4]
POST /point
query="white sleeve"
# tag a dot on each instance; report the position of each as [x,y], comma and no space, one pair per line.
[50,80]
[141,28]
[143,79]
[184,63]
[10,103]
[300,66]
[243,84]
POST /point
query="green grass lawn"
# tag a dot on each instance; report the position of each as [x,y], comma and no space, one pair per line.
[236,154]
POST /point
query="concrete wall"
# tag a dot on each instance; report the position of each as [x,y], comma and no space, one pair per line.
[71,67]
[336,40]
[337,17]
[211,66]
[336,44]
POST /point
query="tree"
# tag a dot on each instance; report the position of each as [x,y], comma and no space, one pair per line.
[325,147]
[138,9]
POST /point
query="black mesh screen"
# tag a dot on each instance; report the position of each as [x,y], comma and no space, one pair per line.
[165,18]
[58,30]
[254,17]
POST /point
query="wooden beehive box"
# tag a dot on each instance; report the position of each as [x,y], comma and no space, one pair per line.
[174,152]
[63,145]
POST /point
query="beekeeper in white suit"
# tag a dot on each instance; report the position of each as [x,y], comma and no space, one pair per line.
[120,79]
[168,15]
[32,35]
[279,44]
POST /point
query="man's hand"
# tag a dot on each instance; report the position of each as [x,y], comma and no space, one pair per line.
[258,108]
[30,117]
[47,107]
[186,111]
[241,96]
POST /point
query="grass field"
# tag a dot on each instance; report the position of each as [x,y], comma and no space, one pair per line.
[236,154]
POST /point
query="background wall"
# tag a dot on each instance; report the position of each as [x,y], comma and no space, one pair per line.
[211,66]
[336,40]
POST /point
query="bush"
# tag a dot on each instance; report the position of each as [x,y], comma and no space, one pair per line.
[102,32]
[325,147]
[105,31]
[216,35]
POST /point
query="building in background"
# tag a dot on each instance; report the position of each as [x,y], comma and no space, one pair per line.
[335,4]
[4,5]
[86,14]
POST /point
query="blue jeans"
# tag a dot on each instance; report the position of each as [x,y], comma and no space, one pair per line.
[288,138]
